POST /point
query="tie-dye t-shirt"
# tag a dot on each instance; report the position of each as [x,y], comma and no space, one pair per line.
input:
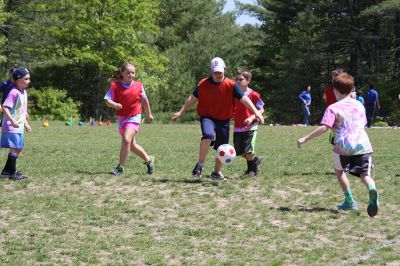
[17,102]
[347,120]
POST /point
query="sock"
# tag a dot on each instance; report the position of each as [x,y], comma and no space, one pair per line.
[371,186]
[348,196]
[201,164]
[12,160]
[249,166]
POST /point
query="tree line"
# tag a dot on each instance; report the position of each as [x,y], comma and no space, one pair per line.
[75,46]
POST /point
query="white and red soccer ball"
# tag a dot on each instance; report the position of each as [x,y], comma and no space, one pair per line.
[226,153]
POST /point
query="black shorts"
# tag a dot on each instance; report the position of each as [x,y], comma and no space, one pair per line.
[215,130]
[354,164]
[245,142]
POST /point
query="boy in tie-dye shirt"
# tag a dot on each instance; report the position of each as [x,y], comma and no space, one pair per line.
[352,149]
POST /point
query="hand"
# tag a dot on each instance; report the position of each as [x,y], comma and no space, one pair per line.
[248,121]
[150,118]
[118,106]
[176,116]
[14,124]
[300,142]
[28,127]
[259,117]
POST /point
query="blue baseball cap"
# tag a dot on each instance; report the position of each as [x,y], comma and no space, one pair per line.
[19,72]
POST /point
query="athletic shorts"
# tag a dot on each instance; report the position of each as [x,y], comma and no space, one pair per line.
[12,140]
[131,125]
[353,164]
[245,142]
[215,130]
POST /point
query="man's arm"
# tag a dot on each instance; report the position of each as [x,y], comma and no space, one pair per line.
[188,103]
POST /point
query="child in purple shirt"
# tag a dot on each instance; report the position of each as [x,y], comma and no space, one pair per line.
[352,149]
[14,121]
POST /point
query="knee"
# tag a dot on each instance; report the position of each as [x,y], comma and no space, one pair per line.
[207,136]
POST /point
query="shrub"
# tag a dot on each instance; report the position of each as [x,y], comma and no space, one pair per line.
[53,104]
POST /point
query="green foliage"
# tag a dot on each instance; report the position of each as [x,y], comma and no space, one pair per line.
[53,104]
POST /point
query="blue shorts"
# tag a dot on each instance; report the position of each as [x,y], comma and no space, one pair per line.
[12,140]
[215,130]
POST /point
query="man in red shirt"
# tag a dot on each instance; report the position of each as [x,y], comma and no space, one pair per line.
[215,96]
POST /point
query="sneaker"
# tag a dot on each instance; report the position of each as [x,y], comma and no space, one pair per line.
[4,174]
[117,170]
[17,176]
[348,206]
[217,176]
[197,170]
[373,204]
[257,162]
[248,173]
[150,165]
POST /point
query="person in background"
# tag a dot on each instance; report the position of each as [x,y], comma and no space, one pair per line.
[371,104]
[305,97]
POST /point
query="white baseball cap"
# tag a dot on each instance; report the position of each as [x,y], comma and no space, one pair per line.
[217,65]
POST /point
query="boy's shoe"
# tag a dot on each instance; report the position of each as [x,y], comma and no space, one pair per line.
[217,176]
[150,165]
[348,206]
[248,173]
[198,168]
[117,170]
[373,204]
[4,174]
[17,176]
[257,162]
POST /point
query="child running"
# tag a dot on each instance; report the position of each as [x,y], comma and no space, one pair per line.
[215,96]
[15,109]
[127,97]
[246,125]
[352,149]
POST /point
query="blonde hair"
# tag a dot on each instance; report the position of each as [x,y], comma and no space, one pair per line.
[117,75]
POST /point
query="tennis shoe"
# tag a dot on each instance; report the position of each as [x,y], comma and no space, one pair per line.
[373,204]
[150,165]
[348,206]
[117,170]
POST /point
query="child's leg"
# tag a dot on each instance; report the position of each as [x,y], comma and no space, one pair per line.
[203,150]
[127,138]
[373,203]
[349,201]
[11,164]
[138,150]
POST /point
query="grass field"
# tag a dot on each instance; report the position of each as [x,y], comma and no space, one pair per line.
[72,211]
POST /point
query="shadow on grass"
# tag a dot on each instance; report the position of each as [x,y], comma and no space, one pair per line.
[306,209]
[93,172]
[203,181]
[307,173]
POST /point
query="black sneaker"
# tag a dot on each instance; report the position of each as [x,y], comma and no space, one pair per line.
[257,162]
[197,170]
[248,173]
[117,170]
[217,176]
[17,176]
[4,174]
[150,165]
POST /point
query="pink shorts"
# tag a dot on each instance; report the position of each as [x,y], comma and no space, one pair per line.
[131,125]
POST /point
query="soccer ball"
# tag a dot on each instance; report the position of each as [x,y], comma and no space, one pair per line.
[226,153]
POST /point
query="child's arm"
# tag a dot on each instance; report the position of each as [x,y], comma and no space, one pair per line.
[9,117]
[147,109]
[251,118]
[188,103]
[319,131]
[27,126]
[251,106]
[112,104]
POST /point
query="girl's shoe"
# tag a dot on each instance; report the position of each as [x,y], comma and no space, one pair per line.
[373,204]
[117,170]
[150,165]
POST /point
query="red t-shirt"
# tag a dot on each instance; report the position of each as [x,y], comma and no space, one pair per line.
[241,110]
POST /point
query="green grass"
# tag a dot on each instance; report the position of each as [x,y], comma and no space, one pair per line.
[72,211]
